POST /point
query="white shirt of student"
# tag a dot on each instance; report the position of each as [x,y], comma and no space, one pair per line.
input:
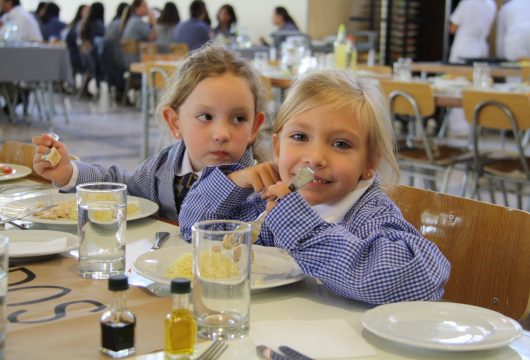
[513,30]
[27,27]
[474,19]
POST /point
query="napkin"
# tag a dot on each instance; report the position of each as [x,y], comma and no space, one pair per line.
[317,339]
[28,248]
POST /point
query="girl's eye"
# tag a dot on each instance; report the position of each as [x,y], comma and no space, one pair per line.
[205,117]
[239,119]
[299,137]
[339,144]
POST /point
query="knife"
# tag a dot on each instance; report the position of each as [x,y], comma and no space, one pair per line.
[5,221]
[293,354]
[267,353]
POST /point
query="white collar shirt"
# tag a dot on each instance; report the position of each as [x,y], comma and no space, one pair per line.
[27,27]
[335,213]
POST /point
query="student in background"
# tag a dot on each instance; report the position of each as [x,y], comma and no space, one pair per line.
[51,25]
[213,109]
[14,14]
[166,23]
[471,23]
[283,20]
[341,228]
[195,32]
[226,21]
[513,30]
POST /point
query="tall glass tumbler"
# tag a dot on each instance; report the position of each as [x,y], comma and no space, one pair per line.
[101,226]
[221,278]
[4,270]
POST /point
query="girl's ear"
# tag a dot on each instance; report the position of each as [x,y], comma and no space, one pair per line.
[172,120]
[275,148]
[370,169]
[259,118]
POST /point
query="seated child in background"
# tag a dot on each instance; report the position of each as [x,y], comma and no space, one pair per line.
[340,228]
[214,106]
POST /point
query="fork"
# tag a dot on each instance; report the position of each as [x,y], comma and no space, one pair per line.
[214,351]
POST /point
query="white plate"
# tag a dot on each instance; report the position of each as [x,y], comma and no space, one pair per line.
[442,326]
[271,266]
[33,243]
[14,208]
[18,172]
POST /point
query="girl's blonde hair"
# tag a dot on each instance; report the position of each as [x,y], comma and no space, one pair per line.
[209,61]
[342,90]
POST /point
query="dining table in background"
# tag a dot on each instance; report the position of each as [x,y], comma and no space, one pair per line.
[35,64]
[53,313]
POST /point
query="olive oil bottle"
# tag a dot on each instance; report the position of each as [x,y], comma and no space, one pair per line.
[180,327]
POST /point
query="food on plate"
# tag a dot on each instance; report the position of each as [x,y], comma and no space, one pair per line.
[52,156]
[5,170]
[214,265]
[67,210]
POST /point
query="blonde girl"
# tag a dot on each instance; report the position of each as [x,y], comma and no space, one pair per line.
[341,228]
[213,107]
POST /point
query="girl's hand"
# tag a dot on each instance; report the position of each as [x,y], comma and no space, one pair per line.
[258,177]
[62,172]
[275,192]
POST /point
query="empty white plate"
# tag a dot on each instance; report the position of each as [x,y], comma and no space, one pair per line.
[442,325]
[34,243]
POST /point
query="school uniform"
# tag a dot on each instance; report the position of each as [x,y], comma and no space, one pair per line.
[156,179]
[513,30]
[364,251]
[474,19]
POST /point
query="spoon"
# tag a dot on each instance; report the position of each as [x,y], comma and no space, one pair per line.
[160,239]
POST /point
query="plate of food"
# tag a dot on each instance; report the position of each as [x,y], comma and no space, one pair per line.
[13,171]
[442,326]
[29,244]
[65,213]
[271,267]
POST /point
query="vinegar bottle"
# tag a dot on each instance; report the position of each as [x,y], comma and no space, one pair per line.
[180,328]
[118,323]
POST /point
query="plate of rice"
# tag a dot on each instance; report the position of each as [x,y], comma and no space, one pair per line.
[271,267]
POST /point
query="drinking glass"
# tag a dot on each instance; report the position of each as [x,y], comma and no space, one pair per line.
[101,226]
[4,270]
[261,60]
[221,278]
[481,75]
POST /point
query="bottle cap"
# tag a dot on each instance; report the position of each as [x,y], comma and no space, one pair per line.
[118,283]
[180,286]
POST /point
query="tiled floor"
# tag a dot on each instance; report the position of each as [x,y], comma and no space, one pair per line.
[113,136]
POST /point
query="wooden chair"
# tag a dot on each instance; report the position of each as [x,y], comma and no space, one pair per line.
[159,75]
[526,73]
[488,247]
[500,112]
[418,153]
[379,69]
[180,49]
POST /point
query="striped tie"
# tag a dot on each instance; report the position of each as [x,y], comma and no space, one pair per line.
[182,185]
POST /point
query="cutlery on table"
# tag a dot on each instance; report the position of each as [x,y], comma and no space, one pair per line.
[160,239]
[214,351]
[27,214]
[16,189]
[267,353]
[293,354]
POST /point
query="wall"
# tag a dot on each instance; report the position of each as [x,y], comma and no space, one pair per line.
[254,15]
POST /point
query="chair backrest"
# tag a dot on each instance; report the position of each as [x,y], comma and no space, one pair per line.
[180,49]
[129,46]
[420,92]
[488,247]
[159,74]
[526,72]
[147,48]
[492,116]
[148,57]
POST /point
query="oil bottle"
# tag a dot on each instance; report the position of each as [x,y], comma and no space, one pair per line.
[180,328]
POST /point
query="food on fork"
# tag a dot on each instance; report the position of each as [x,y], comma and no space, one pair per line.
[52,156]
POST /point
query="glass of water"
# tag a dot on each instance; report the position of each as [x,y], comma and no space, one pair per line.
[221,278]
[4,270]
[101,226]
